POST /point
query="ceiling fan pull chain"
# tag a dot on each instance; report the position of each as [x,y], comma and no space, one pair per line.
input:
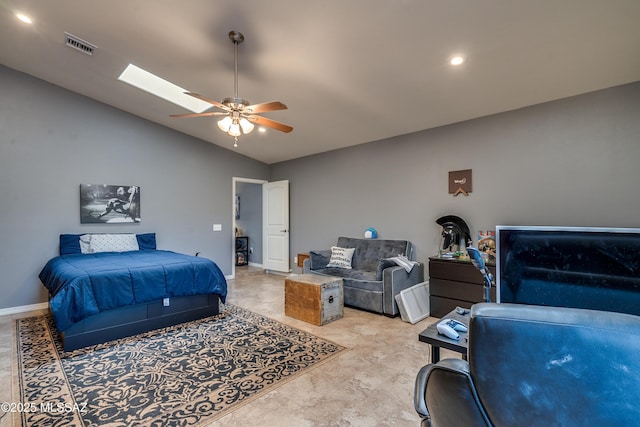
[235,143]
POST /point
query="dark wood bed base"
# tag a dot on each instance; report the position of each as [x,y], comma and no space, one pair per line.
[136,319]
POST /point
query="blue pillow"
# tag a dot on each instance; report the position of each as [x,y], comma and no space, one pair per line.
[69,244]
[146,241]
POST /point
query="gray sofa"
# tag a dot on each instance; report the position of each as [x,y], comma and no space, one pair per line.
[373,281]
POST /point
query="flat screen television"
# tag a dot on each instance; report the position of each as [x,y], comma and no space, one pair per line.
[594,268]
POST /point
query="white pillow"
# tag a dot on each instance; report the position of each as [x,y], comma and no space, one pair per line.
[341,257]
[94,243]
[85,244]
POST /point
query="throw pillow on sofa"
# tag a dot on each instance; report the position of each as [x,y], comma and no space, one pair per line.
[341,257]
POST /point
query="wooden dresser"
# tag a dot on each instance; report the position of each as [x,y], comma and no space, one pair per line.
[455,283]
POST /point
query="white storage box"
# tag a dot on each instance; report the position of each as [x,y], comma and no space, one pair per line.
[413,303]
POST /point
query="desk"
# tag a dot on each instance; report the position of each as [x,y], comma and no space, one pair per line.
[437,341]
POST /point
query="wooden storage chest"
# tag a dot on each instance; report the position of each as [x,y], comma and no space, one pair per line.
[313,298]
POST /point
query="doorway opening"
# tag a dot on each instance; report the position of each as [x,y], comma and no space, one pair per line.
[247,226]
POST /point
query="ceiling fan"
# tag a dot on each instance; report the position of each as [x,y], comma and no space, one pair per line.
[239,114]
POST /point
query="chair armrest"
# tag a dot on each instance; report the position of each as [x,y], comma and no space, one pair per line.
[394,280]
[419,403]
[399,260]
[383,264]
[418,391]
[447,388]
[306,266]
[317,260]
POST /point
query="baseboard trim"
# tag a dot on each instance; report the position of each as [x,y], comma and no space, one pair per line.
[24,308]
[278,273]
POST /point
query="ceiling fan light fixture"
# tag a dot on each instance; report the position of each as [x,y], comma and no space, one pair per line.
[246,125]
[240,114]
[225,124]
[457,60]
[234,129]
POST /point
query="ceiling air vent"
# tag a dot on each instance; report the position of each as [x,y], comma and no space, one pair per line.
[79,44]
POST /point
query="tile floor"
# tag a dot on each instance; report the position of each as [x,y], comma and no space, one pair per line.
[368,384]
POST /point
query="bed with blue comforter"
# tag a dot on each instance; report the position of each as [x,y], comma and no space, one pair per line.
[100,296]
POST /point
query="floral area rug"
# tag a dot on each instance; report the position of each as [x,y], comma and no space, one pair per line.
[183,375]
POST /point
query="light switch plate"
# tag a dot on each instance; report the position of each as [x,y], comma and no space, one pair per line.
[217,227]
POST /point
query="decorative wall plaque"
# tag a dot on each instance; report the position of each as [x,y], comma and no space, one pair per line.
[460,182]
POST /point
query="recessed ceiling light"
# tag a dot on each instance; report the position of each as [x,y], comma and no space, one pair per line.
[24,18]
[457,60]
[162,88]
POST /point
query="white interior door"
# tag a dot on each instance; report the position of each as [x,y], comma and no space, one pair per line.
[275,217]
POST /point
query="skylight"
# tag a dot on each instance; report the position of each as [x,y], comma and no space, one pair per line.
[159,87]
[24,18]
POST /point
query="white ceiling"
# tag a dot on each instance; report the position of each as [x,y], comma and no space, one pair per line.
[350,71]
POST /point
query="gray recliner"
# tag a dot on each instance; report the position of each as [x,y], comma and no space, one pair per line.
[537,366]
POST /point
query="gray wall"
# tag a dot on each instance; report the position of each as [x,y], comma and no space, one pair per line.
[570,162]
[52,140]
[574,161]
[251,217]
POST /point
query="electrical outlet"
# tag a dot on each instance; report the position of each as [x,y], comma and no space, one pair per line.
[251,249]
[165,302]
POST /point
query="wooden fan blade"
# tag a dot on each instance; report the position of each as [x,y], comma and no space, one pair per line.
[263,121]
[210,101]
[184,116]
[264,107]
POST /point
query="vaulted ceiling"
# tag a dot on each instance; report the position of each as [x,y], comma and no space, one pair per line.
[350,71]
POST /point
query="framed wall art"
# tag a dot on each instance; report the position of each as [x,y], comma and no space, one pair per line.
[109,204]
[460,182]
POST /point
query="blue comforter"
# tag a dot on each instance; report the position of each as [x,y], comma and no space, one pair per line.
[81,285]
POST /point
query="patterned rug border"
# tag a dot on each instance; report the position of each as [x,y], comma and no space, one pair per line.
[62,401]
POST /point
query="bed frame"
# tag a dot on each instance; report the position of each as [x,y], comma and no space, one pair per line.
[136,319]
